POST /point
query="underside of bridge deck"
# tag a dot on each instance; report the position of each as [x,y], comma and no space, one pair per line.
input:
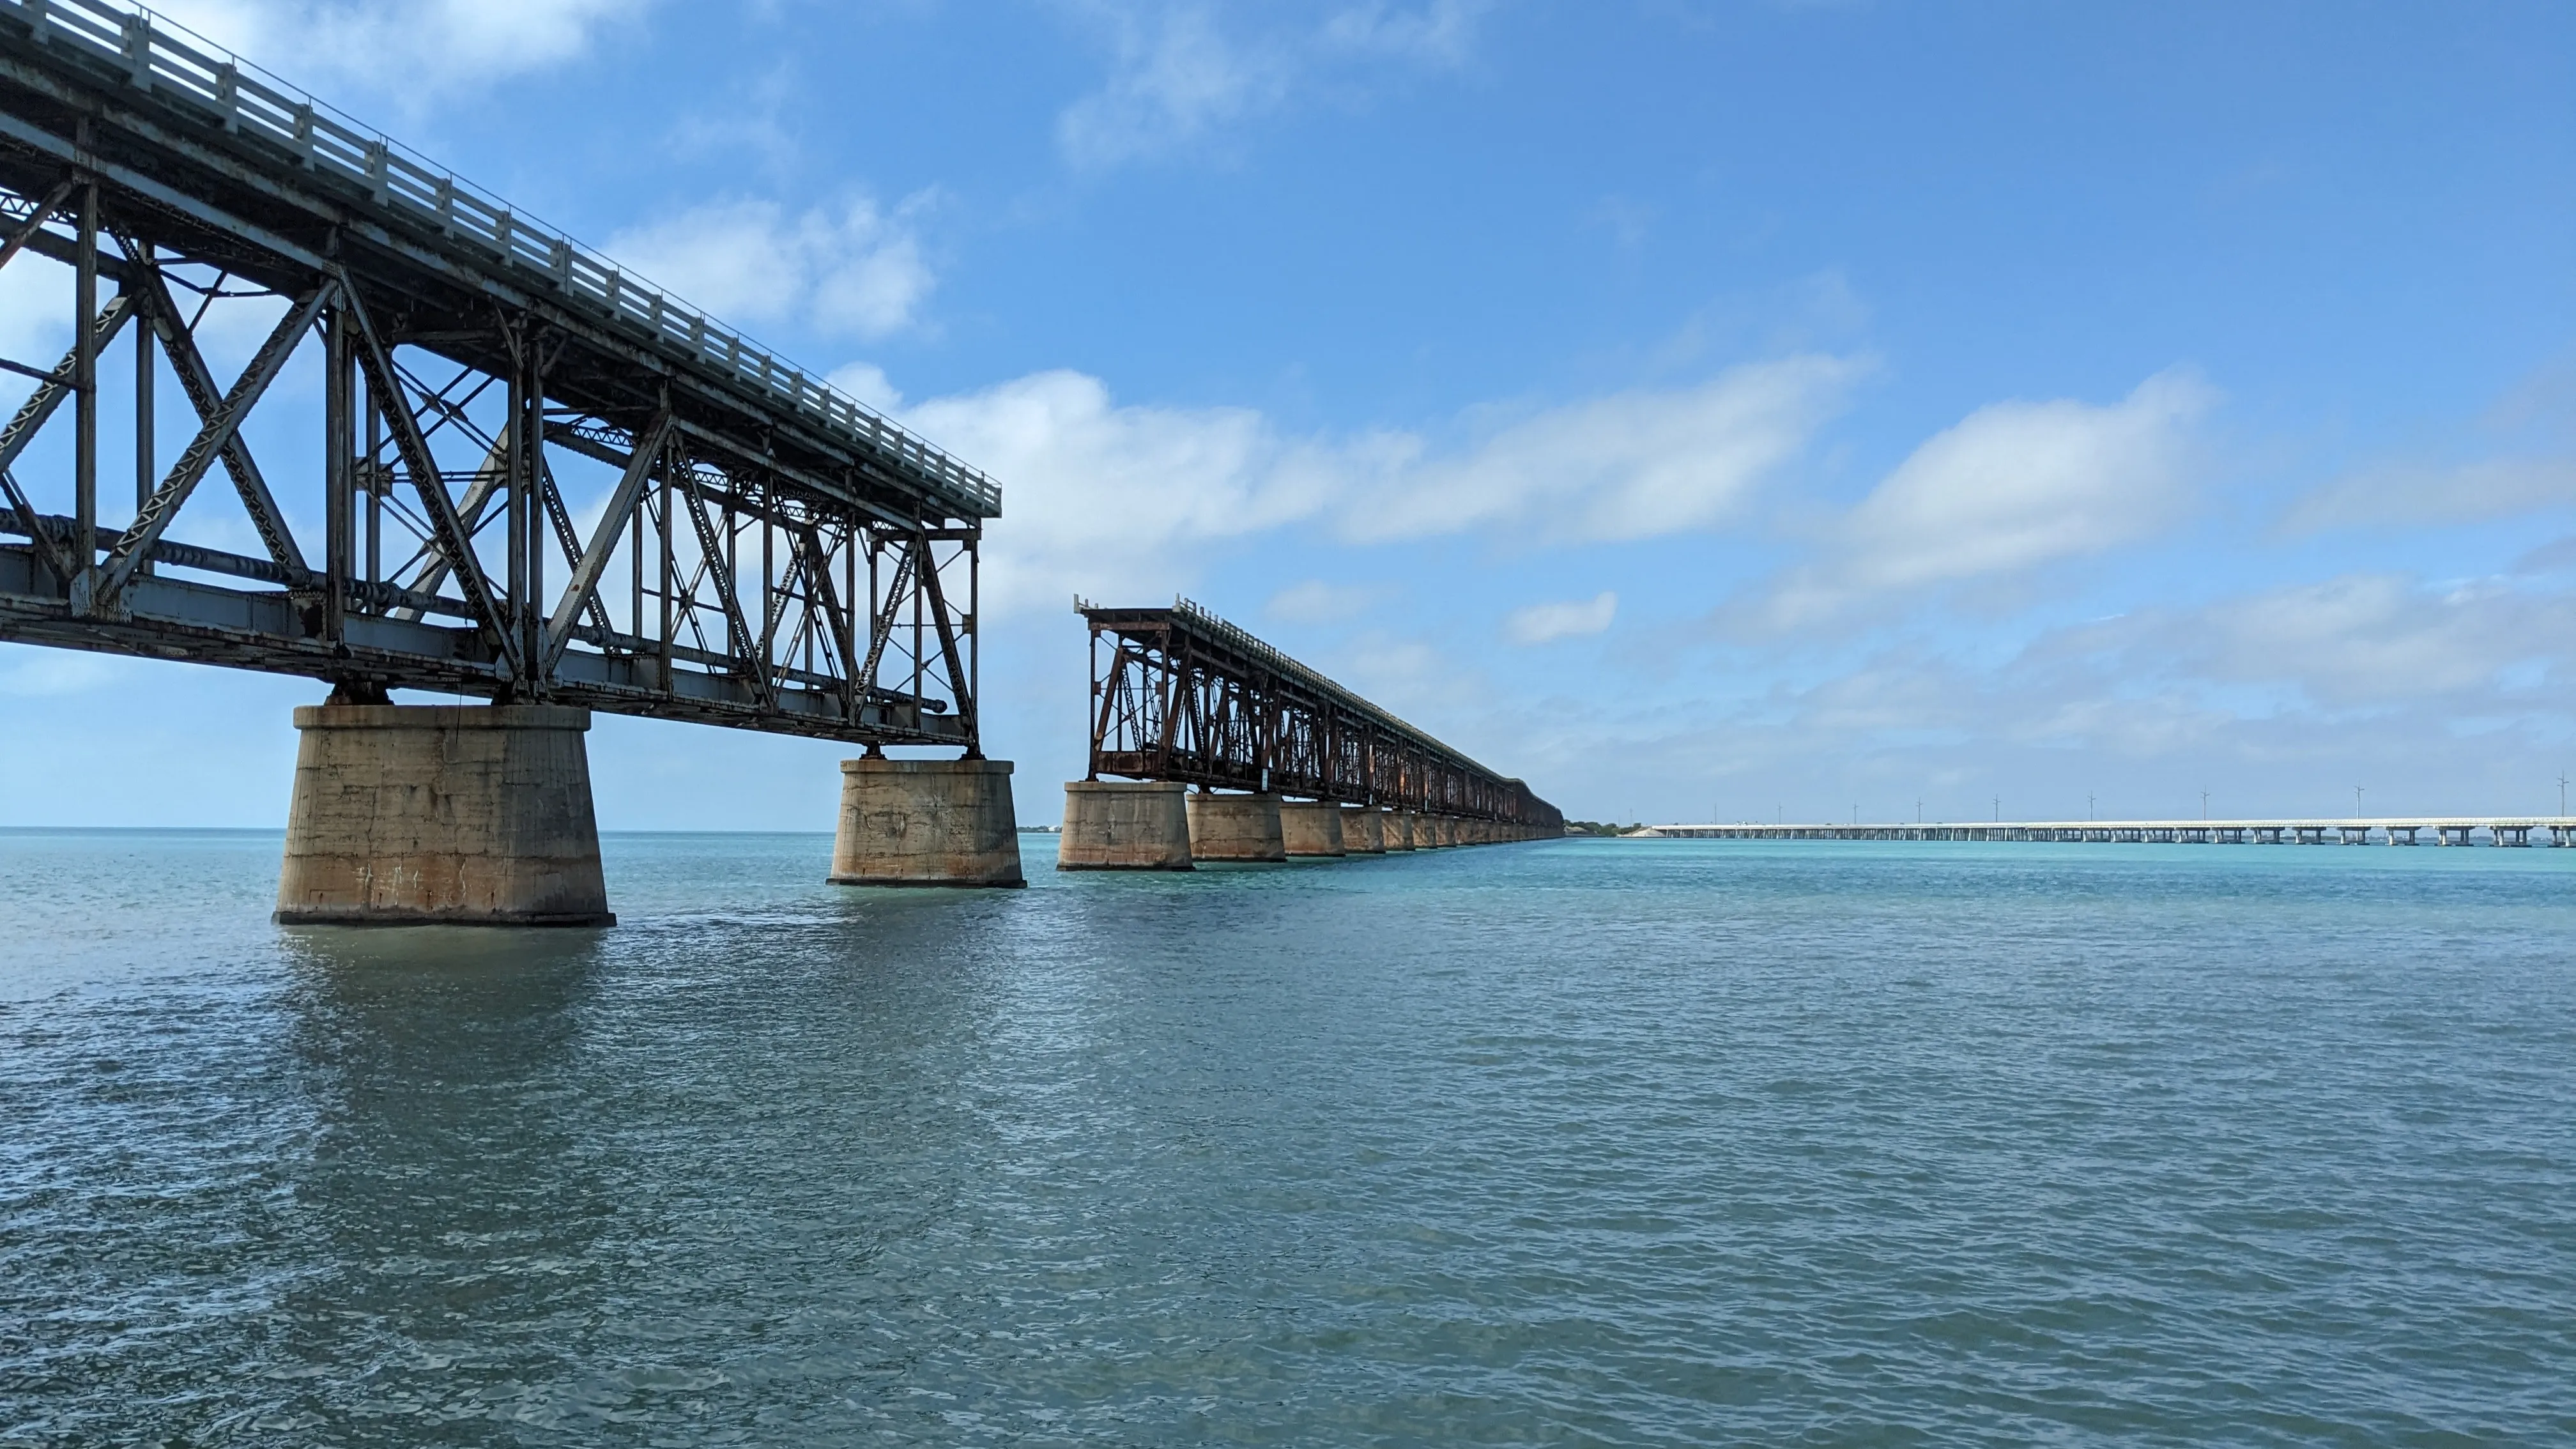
[531,479]
[1183,697]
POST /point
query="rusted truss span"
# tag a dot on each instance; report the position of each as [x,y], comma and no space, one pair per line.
[1188,697]
[530,478]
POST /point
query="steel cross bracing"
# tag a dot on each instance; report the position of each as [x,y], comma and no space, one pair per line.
[1188,697]
[536,478]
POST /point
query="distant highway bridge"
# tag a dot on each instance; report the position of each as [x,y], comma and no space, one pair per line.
[2432,829]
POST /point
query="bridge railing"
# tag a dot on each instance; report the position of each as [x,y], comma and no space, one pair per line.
[248,101]
[1192,698]
[1376,715]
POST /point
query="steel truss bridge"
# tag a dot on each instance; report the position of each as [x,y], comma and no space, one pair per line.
[769,555]
[1190,698]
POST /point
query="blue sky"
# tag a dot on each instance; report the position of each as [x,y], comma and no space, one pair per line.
[1698,407]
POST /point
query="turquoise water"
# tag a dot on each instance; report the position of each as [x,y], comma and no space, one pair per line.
[1584,1142]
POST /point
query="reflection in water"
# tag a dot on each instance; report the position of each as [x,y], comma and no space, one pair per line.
[1595,1142]
[454,1177]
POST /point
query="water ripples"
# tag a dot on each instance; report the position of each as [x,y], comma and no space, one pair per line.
[1585,1143]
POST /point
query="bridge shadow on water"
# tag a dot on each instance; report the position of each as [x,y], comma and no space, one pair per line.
[453,1197]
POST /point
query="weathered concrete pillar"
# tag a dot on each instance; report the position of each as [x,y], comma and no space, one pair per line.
[409,814]
[1363,830]
[1441,829]
[1124,825]
[1395,830]
[1311,827]
[926,823]
[1235,827]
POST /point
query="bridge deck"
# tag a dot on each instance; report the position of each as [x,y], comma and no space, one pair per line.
[2311,830]
[1191,698]
[770,555]
[265,177]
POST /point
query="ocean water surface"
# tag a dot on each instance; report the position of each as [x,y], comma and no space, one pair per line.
[1581,1142]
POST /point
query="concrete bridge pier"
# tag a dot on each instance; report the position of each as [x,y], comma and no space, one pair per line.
[1235,827]
[1395,830]
[436,814]
[926,823]
[1312,828]
[1363,830]
[1124,825]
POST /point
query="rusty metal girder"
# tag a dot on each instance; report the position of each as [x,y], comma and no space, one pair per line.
[1190,698]
[769,554]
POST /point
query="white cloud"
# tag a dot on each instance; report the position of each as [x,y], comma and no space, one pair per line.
[852,269]
[2012,486]
[1182,71]
[2362,640]
[1439,33]
[1547,623]
[2403,495]
[1107,498]
[404,48]
[869,384]
[2365,639]
[1317,602]
[1174,78]
[1629,466]
[2437,696]
[1119,499]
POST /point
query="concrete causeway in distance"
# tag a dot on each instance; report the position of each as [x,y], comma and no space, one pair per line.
[2299,830]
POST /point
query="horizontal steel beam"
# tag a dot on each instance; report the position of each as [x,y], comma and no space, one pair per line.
[196,111]
[736,576]
[1191,699]
[167,618]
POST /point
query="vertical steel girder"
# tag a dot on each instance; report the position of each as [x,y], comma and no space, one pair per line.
[576,516]
[1187,697]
